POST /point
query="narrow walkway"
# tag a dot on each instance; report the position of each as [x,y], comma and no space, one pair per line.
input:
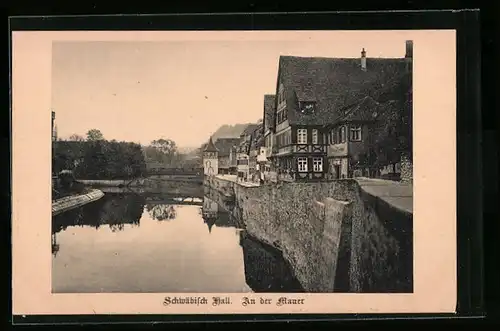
[400,195]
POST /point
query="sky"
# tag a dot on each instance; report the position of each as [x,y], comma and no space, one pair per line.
[183,90]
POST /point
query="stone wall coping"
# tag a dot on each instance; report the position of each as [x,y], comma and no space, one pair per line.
[331,200]
[399,195]
[74,201]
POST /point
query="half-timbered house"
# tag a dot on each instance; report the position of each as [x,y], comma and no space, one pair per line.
[313,97]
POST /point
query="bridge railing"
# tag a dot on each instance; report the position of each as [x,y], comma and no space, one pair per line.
[175,172]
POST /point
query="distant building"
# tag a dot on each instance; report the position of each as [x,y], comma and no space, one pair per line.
[224,147]
[246,165]
[255,155]
[233,159]
[217,156]
[268,129]
[210,159]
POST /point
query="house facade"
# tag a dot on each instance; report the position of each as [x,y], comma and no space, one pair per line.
[327,111]
[257,143]
[224,147]
[233,160]
[218,156]
[268,130]
[246,166]
[349,141]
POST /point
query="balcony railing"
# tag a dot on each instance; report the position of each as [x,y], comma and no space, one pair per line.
[300,148]
[337,150]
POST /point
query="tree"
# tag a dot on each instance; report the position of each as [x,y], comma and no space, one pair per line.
[76,137]
[163,151]
[391,134]
[94,135]
[166,146]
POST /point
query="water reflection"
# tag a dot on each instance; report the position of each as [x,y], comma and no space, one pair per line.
[198,249]
[161,212]
[112,210]
[265,268]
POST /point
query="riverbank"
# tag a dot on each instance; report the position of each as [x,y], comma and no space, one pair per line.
[74,201]
[338,236]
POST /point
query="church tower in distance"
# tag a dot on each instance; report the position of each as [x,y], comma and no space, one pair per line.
[210,159]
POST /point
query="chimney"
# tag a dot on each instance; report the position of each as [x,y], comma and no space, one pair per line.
[363,59]
[409,49]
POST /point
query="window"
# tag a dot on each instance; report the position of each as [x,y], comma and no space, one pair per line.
[302,136]
[302,164]
[281,116]
[355,133]
[281,97]
[307,107]
[342,135]
[314,136]
[318,164]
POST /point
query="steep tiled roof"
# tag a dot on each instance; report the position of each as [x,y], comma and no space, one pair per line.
[224,145]
[367,109]
[250,129]
[210,147]
[269,101]
[336,83]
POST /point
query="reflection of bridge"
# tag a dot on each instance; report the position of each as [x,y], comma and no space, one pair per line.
[165,190]
[166,199]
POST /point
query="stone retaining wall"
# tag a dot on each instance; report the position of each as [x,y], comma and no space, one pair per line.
[334,238]
[75,201]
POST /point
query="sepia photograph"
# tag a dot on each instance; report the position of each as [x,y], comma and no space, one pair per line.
[227,166]
[234,172]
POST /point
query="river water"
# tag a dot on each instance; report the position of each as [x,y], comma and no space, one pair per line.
[133,243]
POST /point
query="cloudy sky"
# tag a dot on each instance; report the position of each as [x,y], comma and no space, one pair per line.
[180,89]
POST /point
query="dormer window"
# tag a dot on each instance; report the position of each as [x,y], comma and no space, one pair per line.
[307,107]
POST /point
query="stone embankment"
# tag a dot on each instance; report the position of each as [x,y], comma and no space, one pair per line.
[67,203]
[338,236]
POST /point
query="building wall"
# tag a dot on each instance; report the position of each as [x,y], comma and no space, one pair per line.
[358,148]
[210,165]
[224,162]
[243,165]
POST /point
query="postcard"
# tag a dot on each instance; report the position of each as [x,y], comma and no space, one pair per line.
[233,172]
